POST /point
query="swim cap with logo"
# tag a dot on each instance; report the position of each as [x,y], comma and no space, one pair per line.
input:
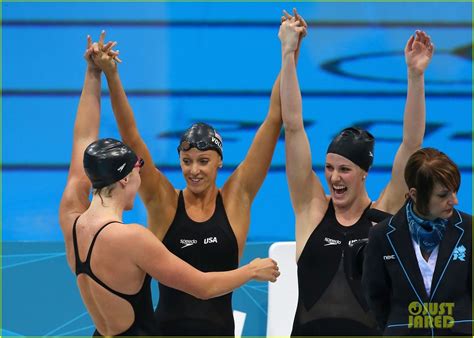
[107,161]
[355,144]
[202,137]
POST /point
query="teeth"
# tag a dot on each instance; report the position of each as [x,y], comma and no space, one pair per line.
[338,187]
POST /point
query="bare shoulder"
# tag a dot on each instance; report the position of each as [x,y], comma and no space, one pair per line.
[388,201]
[307,221]
[313,213]
[66,221]
[161,213]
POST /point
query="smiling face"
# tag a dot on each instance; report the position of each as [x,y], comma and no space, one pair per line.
[346,180]
[441,202]
[199,169]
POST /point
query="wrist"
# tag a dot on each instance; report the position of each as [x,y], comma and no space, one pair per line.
[251,272]
[93,71]
[288,52]
[414,74]
[110,73]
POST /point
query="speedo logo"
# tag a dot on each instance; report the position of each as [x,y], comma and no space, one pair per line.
[187,242]
[121,167]
[330,241]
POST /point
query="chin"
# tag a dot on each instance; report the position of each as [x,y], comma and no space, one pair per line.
[447,214]
[196,189]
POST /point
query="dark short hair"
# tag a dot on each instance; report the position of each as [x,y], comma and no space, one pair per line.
[424,169]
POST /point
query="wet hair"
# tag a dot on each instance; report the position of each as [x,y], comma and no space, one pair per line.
[424,169]
[355,144]
[107,191]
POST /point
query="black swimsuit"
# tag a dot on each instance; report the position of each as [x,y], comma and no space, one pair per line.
[141,302]
[330,303]
[208,246]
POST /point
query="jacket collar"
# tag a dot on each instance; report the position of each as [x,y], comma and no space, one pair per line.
[398,236]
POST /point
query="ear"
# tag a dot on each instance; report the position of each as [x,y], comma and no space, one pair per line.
[220,164]
[412,193]
[124,181]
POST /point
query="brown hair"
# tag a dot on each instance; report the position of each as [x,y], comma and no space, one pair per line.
[424,169]
[106,190]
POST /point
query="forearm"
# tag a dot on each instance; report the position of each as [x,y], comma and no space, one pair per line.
[415,112]
[274,112]
[221,283]
[291,102]
[122,110]
[87,121]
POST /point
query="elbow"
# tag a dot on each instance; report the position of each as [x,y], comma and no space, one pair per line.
[291,126]
[203,294]
[413,143]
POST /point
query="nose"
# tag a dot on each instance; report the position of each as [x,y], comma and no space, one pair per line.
[454,199]
[335,177]
[194,169]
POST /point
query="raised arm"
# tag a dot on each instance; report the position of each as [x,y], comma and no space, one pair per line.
[156,191]
[251,173]
[303,183]
[418,53]
[153,257]
[75,199]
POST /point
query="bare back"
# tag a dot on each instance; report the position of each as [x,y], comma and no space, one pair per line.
[110,263]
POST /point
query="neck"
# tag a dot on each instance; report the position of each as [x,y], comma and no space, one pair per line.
[348,214]
[107,208]
[203,199]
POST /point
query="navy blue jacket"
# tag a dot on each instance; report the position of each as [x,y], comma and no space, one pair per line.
[393,284]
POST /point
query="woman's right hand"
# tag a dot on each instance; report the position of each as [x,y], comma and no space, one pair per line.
[292,28]
[104,56]
[265,270]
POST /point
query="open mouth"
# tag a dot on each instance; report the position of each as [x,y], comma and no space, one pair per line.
[194,180]
[339,189]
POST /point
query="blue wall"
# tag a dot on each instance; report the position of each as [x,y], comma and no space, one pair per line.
[185,62]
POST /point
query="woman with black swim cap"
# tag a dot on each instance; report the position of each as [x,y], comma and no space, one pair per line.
[114,262]
[329,302]
[204,225]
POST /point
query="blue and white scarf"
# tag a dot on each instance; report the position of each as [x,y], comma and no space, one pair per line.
[428,234]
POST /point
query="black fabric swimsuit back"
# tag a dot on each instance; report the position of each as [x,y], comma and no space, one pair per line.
[141,302]
[208,246]
[330,303]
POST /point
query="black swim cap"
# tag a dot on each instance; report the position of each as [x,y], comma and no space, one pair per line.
[355,144]
[107,161]
[202,137]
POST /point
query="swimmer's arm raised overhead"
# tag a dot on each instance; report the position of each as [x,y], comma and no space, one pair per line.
[418,53]
[153,257]
[155,187]
[304,185]
[75,197]
[251,173]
